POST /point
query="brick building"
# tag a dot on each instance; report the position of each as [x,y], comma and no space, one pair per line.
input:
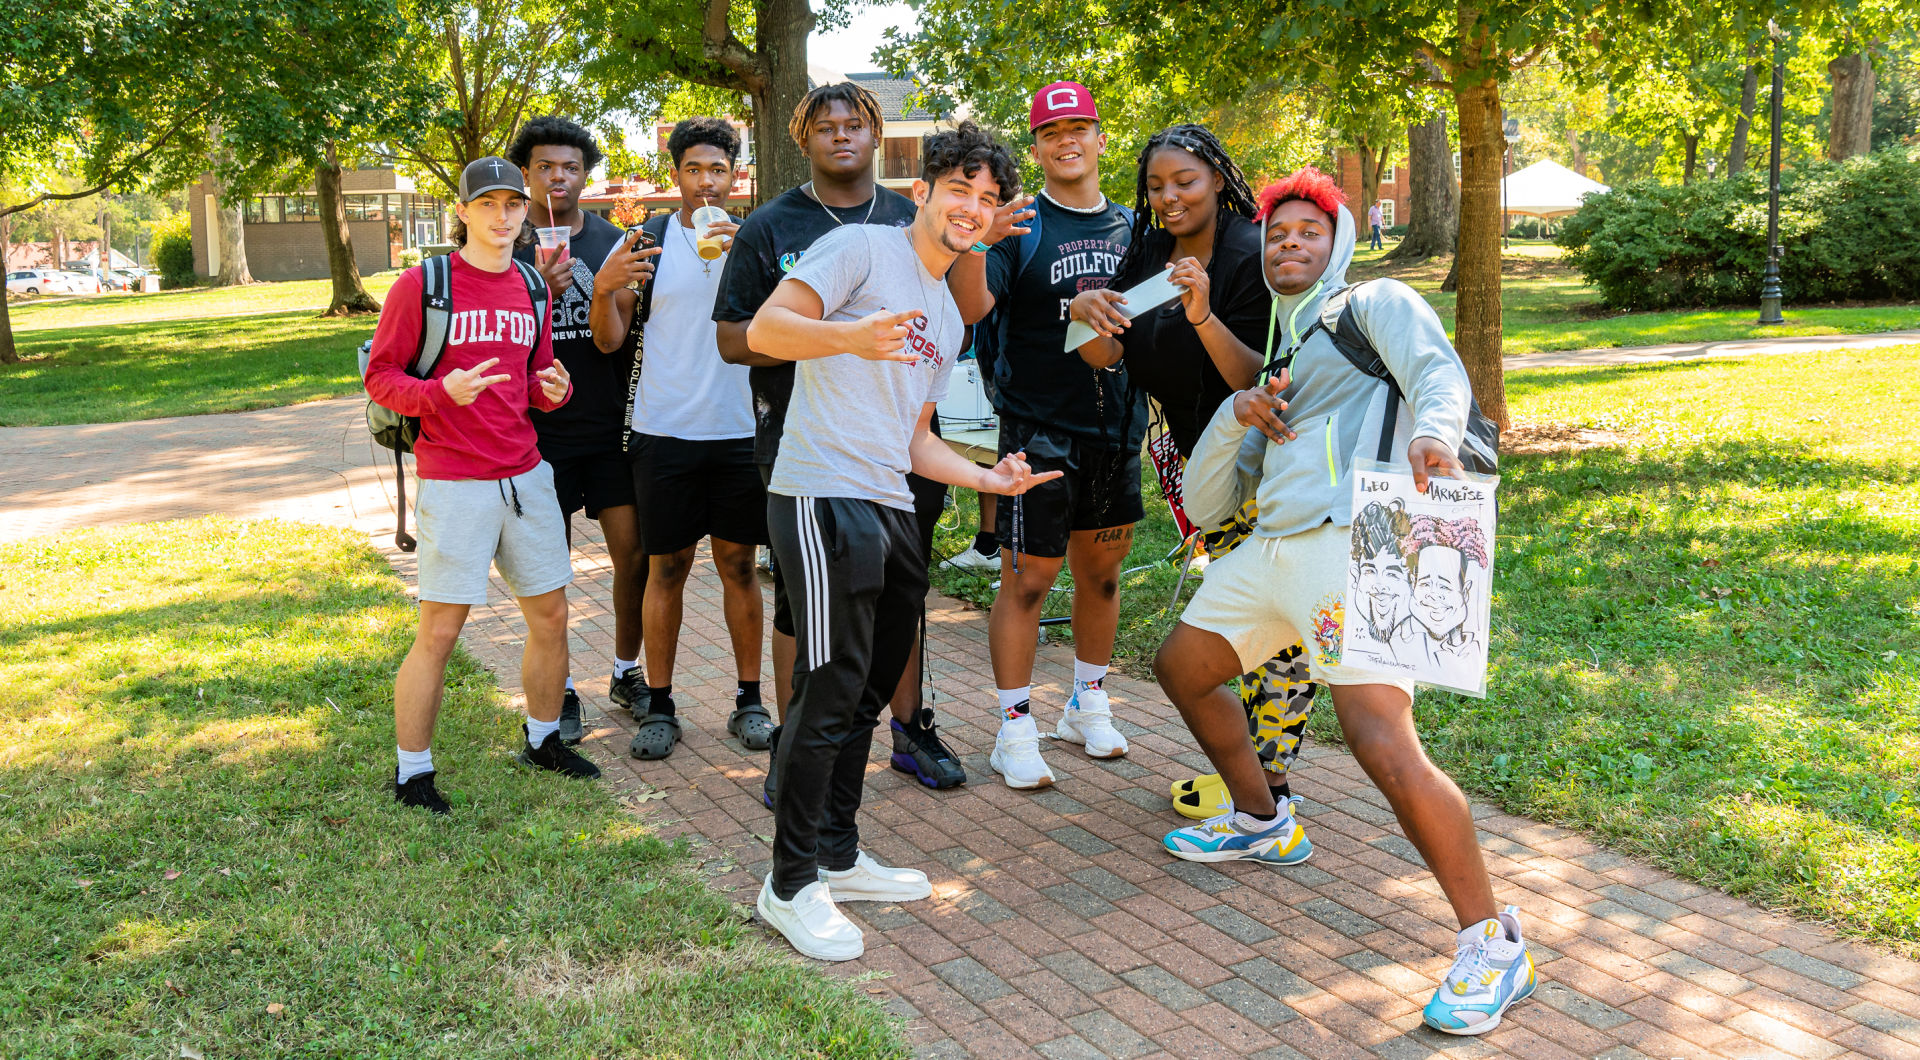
[386,215]
[1393,189]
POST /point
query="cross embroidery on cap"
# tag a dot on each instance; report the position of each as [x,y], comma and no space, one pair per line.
[495,166]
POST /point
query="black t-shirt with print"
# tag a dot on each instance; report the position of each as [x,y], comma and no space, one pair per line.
[770,242]
[1035,377]
[594,419]
[1164,353]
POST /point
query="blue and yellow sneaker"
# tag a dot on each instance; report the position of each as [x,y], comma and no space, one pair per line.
[1491,971]
[1234,836]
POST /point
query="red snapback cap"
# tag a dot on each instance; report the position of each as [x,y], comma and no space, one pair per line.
[1062,99]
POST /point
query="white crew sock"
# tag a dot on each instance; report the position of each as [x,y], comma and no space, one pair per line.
[1086,675]
[1014,697]
[622,667]
[569,684]
[412,764]
[538,731]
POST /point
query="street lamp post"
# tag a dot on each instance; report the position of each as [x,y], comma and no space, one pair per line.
[1510,131]
[1770,283]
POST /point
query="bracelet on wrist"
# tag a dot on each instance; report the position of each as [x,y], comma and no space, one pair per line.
[1203,320]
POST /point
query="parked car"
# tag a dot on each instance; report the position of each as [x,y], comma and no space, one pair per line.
[120,280]
[38,281]
[81,282]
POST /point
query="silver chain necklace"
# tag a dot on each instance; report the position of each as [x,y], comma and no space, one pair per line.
[705,265]
[871,203]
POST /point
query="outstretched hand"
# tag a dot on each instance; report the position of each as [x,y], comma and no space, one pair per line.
[465,385]
[1429,456]
[1260,407]
[1012,477]
[1010,220]
[882,336]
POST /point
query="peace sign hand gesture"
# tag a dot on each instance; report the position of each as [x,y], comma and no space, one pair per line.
[882,336]
[464,385]
[554,381]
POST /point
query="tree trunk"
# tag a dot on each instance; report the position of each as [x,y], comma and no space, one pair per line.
[1691,141]
[1851,130]
[1743,124]
[8,355]
[1476,320]
[58,248]
[780,45]
[1369,178]
[230,220]
[1433,197]
[349,294]
[1578,150]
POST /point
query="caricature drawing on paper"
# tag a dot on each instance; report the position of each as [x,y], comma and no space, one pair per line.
[1444,558]
[1382,588]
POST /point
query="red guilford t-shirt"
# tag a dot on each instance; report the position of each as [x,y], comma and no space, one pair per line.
[492,316]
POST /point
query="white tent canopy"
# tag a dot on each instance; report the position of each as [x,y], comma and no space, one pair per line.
[1547,189]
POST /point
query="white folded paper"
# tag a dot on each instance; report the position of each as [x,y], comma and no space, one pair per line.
[1146,296]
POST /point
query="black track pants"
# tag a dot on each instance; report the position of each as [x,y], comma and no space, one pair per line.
[856,580]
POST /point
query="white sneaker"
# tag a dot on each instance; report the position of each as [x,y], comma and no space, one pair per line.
[870,881]
[1016,755]
[1089,720]
[973,562]
[814,925]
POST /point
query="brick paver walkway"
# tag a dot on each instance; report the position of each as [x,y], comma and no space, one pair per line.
[1058,927]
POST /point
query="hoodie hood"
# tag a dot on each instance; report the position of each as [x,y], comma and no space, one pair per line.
[1294,313]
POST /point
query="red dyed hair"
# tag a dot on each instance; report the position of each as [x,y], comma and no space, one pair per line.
[1306,184]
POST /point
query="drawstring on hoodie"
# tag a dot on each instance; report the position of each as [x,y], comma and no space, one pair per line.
[509,484]
[1273,363]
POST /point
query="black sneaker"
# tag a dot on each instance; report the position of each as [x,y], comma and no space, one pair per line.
[571,731]
[773,750]
[630,693]
[419,791]
[556,757]
[917,749]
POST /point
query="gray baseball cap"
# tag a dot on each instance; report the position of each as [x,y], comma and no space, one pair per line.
[483,175]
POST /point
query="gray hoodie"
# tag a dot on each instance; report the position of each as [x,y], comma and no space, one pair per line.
[1334,409]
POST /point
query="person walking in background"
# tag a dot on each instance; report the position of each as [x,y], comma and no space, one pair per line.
[1373,221]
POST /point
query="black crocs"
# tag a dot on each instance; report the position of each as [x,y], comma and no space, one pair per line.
[656,737]
[754,726]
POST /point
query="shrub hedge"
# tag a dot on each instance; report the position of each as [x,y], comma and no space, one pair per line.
[173,251]
[1846,227]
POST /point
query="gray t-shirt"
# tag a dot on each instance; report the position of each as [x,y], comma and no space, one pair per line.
[851,418]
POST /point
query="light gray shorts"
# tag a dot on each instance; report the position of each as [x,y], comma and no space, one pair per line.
[467,525]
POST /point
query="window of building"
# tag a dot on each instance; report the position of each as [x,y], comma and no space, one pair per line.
[1456,165]
[900,158]
[1386,175]
[273,210]
[302,208]
[256,211]
[1386,213]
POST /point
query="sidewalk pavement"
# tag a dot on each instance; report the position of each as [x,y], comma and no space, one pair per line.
[1058,926]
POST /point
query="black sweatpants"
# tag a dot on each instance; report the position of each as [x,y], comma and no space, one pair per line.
[856,580]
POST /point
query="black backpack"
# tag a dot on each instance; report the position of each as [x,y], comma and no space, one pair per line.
[399,432]
[1479,450]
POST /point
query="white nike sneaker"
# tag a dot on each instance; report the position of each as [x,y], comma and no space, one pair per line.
[1089,720]
[974,562]
[814,925]
[1016,755]
[870,881]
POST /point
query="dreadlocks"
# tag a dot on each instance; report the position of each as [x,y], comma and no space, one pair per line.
[858,100]
[1235,197]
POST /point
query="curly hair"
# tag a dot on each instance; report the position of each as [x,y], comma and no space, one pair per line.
[858,99]
[552,131]
[967,148]
[1236,196]
[692,132]
[1305,184]
[1380,528]
[1463,535]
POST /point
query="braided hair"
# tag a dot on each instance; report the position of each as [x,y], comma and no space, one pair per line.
[1236,195]
[857,98]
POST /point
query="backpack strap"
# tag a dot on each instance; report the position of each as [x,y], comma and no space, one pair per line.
[655,227]
[436,309]
[1337,319]
[1029,246]
[538,294]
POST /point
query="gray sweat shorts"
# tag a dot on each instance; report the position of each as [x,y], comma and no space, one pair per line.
[467,525]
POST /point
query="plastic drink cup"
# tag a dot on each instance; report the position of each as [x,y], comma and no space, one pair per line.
[554,243]
[707,244]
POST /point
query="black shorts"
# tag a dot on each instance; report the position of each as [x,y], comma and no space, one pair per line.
[929,502]
[593,481]
[690,489]
[1101,489]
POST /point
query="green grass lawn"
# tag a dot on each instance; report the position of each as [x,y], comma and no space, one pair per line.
[125,308]
[1707,642]
[116,372]
[199,850]
[1548,308]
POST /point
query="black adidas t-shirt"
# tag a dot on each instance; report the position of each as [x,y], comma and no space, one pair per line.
[769,244]
[1164,352]
[594,419]
[1035,377]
